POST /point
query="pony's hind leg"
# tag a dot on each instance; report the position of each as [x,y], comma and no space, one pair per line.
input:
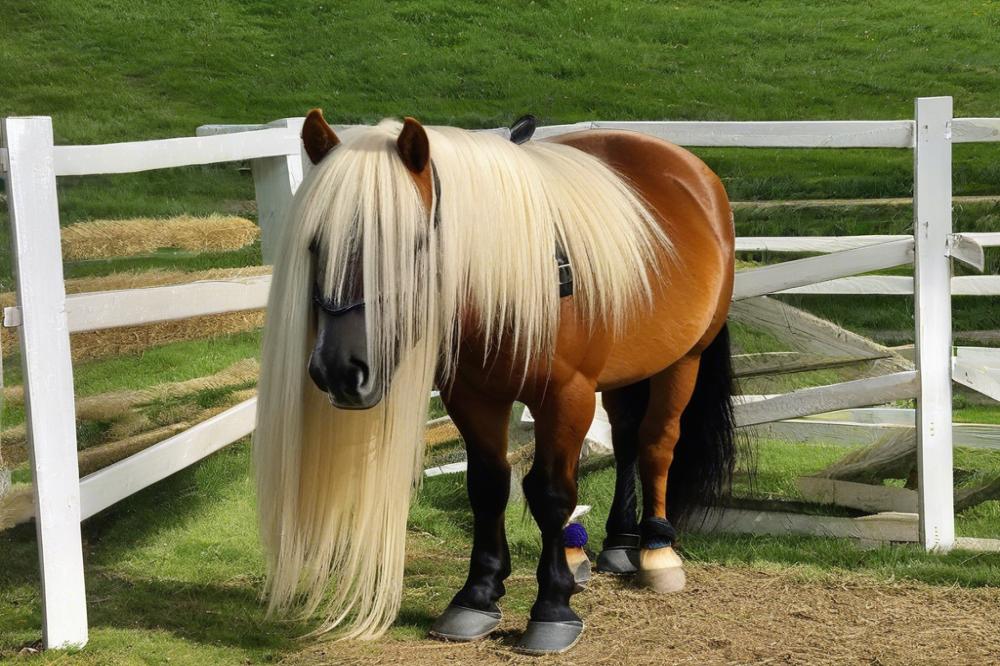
[669,392]
[626,407]
[473,613]
[561,422]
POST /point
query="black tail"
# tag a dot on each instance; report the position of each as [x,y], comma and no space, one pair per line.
[705,455]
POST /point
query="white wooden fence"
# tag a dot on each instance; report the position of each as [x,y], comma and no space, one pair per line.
[45,316]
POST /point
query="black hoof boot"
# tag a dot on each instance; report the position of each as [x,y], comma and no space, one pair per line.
[461,624]
[620,555]
[549,637]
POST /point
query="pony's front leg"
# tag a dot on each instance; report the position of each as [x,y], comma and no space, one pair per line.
[561,422]
[473,613]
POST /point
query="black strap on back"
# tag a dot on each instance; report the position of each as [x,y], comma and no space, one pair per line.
[522,129]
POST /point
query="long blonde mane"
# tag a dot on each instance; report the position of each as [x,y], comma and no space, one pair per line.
[334,486]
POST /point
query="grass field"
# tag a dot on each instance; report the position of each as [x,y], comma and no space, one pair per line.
[174,572]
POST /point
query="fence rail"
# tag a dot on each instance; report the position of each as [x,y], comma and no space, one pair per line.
[45,316]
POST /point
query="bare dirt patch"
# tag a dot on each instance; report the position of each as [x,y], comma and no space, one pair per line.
[737,616]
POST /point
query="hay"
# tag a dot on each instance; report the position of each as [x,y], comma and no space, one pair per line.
[100,239]
[118,341]
[119,405]
[17,506]
[727,615]
[441,433]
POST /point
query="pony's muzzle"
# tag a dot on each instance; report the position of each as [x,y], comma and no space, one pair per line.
[339,365]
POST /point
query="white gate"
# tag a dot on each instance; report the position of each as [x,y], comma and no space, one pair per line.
[45,316]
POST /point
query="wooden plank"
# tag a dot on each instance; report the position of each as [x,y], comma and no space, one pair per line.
[808,333]
[779,134]
[980,378]
[129,307]
[858,393]
[810,243]
[975,130]
[776,363]
[167,153]
[48,377]
[790,274]
[978,545]
[932,307]
[859,433]
[968,250]
[884,527]
[983,238]
[863,496]
[275,181]
[114,483]
[898,285]
[985,356]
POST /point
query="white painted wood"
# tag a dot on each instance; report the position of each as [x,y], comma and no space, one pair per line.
[898,285]
[215,130]
[790,274]
[977,545]
[851,433]
[932,308]
[48,377]
[863,496]
[166,153]
[450,468]
[984,379]
[968,250]
[775,134]
[983,238]
[772,363]
[882,527]
[821,244]
[275,180]
[975,130]
[985,356]
[820,399]
[126,477]
[808,333]
[766,134]
[130,307]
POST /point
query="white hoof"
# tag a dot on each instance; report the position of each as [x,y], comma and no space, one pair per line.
[661,570]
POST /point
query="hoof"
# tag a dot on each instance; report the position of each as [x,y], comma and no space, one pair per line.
[618,561]
[549,637]
[661,570]
[461,624]
[581,576]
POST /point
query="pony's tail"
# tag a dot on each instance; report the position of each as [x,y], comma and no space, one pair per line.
[705,454]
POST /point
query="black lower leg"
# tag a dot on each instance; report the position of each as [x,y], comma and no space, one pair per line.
[489,564]
[625,407]
[551,501]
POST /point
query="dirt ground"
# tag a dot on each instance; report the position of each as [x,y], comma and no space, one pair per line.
[737,616]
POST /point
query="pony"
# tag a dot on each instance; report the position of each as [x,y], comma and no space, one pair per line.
[415,256]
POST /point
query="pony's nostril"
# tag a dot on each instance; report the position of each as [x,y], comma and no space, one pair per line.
[361,373]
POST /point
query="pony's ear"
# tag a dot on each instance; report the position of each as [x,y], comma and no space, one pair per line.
[317,136]
[413,146]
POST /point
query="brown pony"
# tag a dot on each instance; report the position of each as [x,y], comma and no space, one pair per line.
[660,357]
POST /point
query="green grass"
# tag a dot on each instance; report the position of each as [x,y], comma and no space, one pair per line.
[173,572]
[158,71]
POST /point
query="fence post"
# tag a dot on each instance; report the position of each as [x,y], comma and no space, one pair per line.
[48,377]
[275,180]
[932,319]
